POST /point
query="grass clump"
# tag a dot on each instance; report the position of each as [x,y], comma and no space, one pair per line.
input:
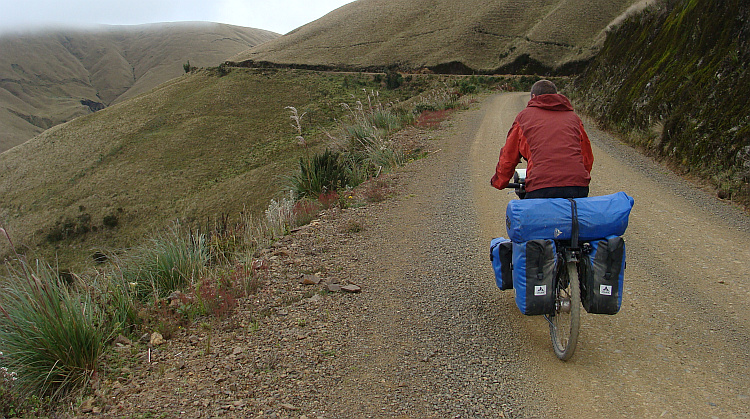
[168,262]
[51,335]
[327,171]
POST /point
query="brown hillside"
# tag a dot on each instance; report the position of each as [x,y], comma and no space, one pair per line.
[50,78]
[448,35]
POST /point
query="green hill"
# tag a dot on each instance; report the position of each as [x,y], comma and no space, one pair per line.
[198,147]
[676,78]
[52,77]
[504,36]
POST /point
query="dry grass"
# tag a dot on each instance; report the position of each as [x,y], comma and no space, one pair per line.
[47,74]
[196,147]
[480,34]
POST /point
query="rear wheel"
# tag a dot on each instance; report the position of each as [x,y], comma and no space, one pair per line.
[565,321]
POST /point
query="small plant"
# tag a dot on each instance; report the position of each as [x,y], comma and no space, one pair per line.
[297,125]
[353,226]
[306,210]
[11,403]
[216,299]
[280,215]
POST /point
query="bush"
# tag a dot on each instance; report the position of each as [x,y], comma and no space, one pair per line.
[393,80]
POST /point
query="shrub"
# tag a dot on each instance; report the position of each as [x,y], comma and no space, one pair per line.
[51,336]
[110,221]
[393,80]
[466,87]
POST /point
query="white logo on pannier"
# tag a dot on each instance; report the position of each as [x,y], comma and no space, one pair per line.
[540,290]
[605,289]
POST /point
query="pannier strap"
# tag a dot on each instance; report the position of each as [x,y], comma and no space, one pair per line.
[574,230]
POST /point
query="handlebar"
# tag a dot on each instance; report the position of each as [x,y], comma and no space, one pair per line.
[514,186]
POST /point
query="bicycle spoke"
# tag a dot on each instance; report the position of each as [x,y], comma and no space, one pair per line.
[564,322]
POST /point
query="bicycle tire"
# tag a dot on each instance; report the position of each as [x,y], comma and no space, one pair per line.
[565,322]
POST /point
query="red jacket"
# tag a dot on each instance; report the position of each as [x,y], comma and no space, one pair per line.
[550,136]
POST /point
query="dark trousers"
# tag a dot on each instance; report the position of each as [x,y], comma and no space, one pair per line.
[559,192]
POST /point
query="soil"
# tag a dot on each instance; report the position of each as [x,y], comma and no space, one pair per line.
[430,335]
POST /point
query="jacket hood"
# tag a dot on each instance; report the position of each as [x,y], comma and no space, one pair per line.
[552,102]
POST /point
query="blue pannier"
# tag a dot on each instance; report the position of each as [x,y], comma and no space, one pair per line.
[598,216]
[603,276]
[501,256]
[534,265]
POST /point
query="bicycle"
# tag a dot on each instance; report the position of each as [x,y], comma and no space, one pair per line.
[565,320]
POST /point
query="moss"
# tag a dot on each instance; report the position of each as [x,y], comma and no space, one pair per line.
[681,64]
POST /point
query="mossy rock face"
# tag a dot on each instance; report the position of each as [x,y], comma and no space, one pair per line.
[677,74]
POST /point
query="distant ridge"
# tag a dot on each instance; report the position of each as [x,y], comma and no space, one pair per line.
[448,36]
[47,78]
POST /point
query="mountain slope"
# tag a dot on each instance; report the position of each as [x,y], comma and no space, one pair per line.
[446,35]
[49,78]
[676,78]
[200,146]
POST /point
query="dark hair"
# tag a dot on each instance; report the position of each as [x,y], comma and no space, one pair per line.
[543,87]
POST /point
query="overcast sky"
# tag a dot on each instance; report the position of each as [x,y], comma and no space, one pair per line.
[279,16]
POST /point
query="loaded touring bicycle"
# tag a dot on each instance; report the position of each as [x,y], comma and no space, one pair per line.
[562,254]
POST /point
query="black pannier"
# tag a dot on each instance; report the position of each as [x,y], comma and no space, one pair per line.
[602,276]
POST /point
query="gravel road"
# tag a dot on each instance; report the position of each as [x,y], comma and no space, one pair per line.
[430,336]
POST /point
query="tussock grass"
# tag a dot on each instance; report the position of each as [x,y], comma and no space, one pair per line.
[51,334]
[167,262]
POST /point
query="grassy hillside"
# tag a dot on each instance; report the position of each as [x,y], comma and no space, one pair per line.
[676,78]
[53,77]
[198,147]
[504,36]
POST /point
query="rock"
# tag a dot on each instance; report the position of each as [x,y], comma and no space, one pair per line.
[121,341]
[310,280]
[237,350]
[283,252]
[333,287]
[351,288]
[315,299]
[87,406]
[157,339]
[288,406]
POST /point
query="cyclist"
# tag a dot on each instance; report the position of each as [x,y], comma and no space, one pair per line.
[550,137]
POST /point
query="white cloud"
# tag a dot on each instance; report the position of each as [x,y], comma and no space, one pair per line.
[279,16]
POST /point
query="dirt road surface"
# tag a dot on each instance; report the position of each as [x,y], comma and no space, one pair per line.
[679,347]
[431,336]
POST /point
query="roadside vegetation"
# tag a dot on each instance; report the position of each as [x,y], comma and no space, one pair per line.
[674,79]
[58,325]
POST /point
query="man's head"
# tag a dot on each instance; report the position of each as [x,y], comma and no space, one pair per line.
[543,87]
